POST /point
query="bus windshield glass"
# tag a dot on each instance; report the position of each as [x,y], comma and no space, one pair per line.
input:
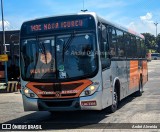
[58,57]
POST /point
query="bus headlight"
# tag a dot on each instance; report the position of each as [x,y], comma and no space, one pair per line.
[90,90]
[29,93]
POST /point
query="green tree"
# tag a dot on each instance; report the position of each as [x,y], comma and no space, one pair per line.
[150,41]
[158,42]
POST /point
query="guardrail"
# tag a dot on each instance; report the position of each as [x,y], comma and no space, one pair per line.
[11,87]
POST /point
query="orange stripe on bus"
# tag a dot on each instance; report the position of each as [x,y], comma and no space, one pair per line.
[134,76]
[145,71]
[84,84]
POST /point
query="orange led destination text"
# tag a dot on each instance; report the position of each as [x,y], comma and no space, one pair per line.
[57,25]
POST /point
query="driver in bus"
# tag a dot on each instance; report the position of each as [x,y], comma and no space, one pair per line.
[45,65]
[46,57]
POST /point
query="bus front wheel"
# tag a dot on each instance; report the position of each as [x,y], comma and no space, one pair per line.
[114,105]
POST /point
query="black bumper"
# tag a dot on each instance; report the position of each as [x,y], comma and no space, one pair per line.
[59,104]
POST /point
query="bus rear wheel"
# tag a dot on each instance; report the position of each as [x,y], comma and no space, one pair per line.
[140,91]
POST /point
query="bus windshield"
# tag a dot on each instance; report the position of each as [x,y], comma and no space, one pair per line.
[58,57]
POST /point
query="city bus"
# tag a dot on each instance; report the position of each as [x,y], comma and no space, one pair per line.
[79,62]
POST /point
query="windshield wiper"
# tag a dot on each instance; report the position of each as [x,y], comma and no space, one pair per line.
[68,43]
[43,50]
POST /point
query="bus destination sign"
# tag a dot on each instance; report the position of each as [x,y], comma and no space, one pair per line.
[57,25]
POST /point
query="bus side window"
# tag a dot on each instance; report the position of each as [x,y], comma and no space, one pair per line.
[133,47]
[138,47]
[128,45]
[113,43]
[143,48]
[105,61]
[120,43]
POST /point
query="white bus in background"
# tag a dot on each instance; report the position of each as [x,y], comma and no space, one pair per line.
[155,56]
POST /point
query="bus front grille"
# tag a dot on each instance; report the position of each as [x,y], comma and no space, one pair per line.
[54,95]
[53,87]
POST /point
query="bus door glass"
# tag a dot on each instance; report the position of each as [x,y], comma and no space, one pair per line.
[104,47]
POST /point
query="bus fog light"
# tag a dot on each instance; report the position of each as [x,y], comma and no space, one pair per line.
[87,92]
[32,95]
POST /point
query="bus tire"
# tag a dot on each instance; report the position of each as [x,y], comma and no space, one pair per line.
[114,106]
[140,91]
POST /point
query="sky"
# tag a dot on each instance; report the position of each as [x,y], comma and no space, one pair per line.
[139,15]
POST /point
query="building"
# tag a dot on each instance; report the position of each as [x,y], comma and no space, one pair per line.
[12,49]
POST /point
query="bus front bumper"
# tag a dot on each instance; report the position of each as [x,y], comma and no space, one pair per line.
[93,102]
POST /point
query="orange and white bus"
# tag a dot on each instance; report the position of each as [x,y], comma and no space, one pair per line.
[79,62]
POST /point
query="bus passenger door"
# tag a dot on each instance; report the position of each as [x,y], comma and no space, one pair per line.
[105,67]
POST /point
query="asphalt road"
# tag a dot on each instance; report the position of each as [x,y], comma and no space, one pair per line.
[144,109]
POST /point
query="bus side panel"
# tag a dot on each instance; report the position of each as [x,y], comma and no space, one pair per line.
[144,71]
[119,71]
[133,76]
[106,94]
[122,75]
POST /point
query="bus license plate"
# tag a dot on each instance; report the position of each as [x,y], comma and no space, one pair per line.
[88,103]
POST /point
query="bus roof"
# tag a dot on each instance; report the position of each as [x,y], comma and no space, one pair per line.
[97,18]
[114,24]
